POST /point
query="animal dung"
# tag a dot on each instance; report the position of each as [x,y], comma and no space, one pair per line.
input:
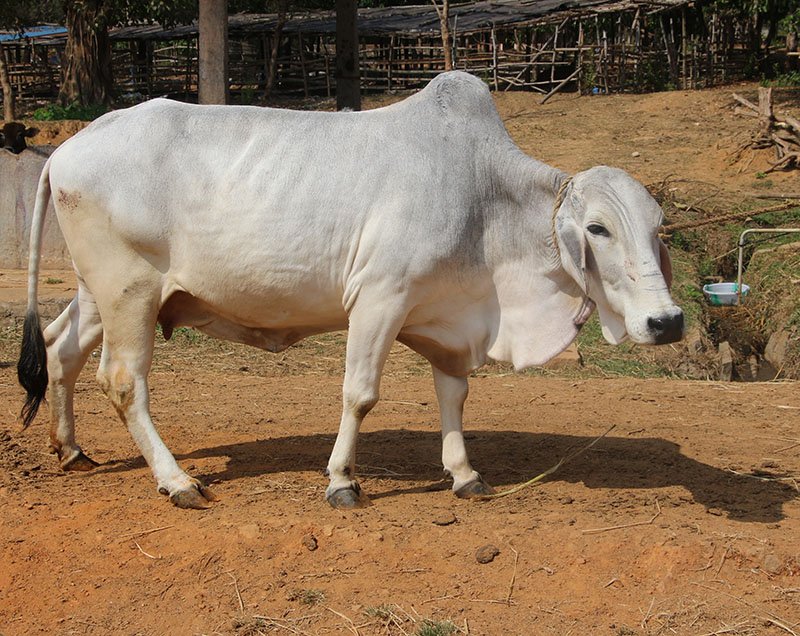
[444,519]
[486,553]
[310,542]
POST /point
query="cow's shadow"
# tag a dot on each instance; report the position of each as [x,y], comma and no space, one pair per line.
[505,458]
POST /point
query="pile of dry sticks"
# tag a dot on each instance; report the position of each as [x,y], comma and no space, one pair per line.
[781,133]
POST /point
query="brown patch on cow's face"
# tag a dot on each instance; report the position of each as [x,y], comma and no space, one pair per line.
[68,200]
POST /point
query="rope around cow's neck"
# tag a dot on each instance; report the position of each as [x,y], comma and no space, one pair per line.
[560,196]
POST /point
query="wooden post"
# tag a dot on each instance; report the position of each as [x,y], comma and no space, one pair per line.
[494,58]
[188,79]
[213,52]
[265,50]
[303,63]
[392,41]
[684,50]
[9,113]
[348,79]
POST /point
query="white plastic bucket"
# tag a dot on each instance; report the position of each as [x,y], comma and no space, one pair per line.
[724,293]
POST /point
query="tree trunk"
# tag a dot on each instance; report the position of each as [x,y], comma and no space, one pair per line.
[213,52]
[87,77]
[8,91]
[444,25]
[272,73]
[348,81]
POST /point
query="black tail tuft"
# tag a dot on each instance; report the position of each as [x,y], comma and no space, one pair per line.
[32,367]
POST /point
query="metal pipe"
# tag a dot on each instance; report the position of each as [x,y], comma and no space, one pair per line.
[741,253]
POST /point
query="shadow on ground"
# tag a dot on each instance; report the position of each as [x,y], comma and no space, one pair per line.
[507,458]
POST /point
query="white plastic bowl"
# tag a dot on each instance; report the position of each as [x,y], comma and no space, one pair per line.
[724,293]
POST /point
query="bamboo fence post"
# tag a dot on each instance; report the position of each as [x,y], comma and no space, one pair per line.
[392,41]
[494,58]
[303,63]
[684,50]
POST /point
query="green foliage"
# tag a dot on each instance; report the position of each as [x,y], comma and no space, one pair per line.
[613,360]
[53,281]
[308,597]
[53,112]
[430,627]
[16,14]
[784,80]
[383,611]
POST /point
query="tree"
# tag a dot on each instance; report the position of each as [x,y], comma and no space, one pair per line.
[213,52]
[761,19]
[87,73]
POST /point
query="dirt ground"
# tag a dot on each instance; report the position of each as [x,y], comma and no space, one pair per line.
[684,519]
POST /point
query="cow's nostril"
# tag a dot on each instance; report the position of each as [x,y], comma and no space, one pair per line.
[666,329]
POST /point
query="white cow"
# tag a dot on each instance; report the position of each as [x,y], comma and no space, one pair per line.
[420,222]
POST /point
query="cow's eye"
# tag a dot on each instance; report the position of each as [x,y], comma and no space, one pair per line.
[597,230]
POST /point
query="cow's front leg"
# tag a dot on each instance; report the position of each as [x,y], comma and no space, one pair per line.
[373,328]
[452,391]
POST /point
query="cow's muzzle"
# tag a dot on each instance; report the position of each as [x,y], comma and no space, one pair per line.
[666,328]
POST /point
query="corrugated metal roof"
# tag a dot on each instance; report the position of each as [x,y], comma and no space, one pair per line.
[32,32]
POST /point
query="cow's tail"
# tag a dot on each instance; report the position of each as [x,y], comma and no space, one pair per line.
[32,365]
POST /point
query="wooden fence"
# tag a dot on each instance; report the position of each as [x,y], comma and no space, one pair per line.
[636,47]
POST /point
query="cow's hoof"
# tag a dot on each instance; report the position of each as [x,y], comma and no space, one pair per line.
[79,462]
[196,496]
[348,498]
[475,488]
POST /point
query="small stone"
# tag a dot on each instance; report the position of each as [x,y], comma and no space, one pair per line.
[715,511]
[725,362]
[772,564]
[444,519]
[777,348]
[636,154]
[566,500]
[327,530]
[487,553]
[310,542]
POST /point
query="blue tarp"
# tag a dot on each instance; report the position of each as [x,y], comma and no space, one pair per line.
[32,32]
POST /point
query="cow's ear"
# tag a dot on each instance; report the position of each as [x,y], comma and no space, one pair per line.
[666,263]
[31,132]
[572,245]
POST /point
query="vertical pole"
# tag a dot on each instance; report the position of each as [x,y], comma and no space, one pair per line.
[213,52]
[9,113]
[301,44]
[494,58]
[684,50]
[392,43]
[348,83]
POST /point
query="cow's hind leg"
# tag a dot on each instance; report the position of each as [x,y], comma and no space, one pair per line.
[369,339]
[128,340]
[70,339]
[451,392]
